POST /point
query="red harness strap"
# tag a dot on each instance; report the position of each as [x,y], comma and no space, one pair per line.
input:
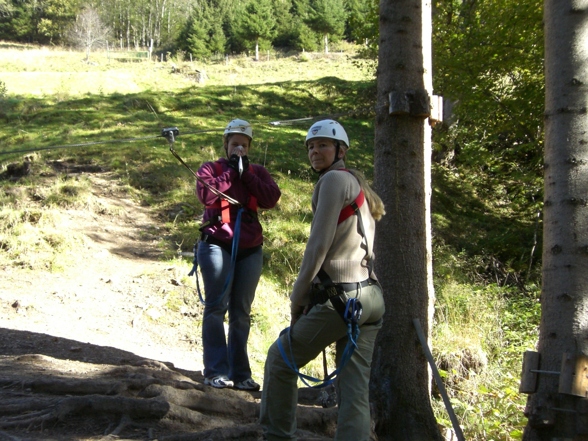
[225,211]
[224,204]
[350,209]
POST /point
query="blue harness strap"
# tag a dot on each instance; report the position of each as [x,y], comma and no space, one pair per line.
[229,279]
[351,318]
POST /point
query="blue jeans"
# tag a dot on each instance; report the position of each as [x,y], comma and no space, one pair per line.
[222,357]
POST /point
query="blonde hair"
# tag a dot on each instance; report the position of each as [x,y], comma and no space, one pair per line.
[375,203]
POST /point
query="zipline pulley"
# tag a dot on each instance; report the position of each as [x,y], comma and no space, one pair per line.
[170,134]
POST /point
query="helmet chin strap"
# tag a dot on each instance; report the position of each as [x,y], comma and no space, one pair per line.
[337,159]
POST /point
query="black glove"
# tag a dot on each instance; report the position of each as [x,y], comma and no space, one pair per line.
[234,163]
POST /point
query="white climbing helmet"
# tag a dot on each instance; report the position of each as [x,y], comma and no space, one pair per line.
[327,128]
[239,126]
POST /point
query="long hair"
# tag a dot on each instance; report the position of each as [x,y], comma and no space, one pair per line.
[375,203]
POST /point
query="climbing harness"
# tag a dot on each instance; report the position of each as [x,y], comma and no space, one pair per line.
[229,279]
[225,200]
[225,217]
[223,204]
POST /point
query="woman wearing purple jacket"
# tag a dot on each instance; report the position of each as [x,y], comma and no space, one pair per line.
[231,273]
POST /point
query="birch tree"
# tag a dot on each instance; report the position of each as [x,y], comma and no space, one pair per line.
[557,409]
[400,376]
[88,30]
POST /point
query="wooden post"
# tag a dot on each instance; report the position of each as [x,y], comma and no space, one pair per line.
[574,375]
[529,375]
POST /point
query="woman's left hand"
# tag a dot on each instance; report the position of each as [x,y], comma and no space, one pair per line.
[296,311]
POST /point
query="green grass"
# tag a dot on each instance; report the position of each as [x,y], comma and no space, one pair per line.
[56,109]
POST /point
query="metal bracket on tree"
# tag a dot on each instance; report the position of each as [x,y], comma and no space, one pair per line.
[417,103]
[573,376]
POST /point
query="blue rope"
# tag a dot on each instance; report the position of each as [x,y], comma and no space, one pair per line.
[351,318]
[234,252]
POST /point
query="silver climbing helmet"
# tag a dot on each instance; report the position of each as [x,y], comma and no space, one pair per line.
[239,126]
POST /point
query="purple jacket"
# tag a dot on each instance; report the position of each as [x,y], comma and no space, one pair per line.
[257,183]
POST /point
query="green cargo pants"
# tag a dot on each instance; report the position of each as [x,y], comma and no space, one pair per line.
[309,336]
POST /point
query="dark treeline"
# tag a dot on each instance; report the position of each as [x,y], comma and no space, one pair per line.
[200,27]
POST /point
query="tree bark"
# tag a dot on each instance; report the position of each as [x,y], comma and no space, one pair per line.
[400,385]
[564,297]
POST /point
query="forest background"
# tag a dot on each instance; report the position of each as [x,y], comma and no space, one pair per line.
[487,159]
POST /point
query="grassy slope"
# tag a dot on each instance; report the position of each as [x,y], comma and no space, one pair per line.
[54,99]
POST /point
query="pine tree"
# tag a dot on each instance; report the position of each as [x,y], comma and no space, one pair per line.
[257,23]
[327,17]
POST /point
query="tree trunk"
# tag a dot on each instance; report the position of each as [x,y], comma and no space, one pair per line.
[128,29]
[401,379]
[564,297]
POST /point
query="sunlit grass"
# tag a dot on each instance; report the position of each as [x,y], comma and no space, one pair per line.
[479,340]
[34,239]
[60,74]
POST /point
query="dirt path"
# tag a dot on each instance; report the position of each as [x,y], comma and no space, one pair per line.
[114,295]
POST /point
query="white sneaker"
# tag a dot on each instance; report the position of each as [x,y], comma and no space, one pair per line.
[248,384]
[220,381]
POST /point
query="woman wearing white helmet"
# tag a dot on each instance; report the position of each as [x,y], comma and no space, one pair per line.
[336,274]
[231,273]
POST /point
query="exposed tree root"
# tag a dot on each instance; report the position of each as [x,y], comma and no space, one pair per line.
[201,401]
[93,405]
[143,398]
[243,432]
